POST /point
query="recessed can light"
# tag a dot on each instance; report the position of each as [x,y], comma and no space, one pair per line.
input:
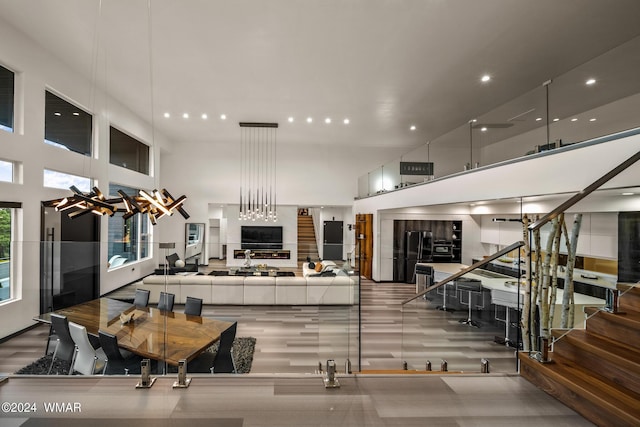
[223,117]
[628,194]
[204,116]
[590,82]
[57,113]
[346,121]
[290,119]
[167,115]
[575,119]
[485,78]
[185,115]
[413,127]
[483,129]
[556,119]
[327,120]
[592,120]
[538,119]
[75,113]
[309,119]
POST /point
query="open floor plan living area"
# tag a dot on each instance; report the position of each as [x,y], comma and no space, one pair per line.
[320,213]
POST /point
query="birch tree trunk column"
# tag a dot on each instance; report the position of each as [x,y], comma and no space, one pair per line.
[568,306]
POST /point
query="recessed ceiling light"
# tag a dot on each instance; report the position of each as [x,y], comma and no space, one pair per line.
[575,119]
[223,117]
[185,115]
[346,121]
[309,119]
[75,113]
[167,115]
[327,120]
[483,129]
[538,119]
[485,78]
[474,120]
[592,120]
[413,127]
[556,119]
[628,194]
[57,113]
[290,119]
[590,81]
[204,116]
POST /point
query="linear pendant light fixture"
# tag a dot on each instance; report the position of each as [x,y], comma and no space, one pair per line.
[258,171]
[155,205]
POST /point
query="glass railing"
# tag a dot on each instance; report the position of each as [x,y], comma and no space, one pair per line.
[565,110]
[286,323]
[525,297]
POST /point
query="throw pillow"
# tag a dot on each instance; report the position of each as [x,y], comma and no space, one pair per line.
[312,265]
[318,267]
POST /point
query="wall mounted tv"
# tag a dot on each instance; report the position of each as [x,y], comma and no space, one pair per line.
[260,237]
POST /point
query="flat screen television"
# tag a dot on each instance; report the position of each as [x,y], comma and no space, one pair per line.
[260,237]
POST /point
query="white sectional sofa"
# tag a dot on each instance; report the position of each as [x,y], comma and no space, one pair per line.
[255,290]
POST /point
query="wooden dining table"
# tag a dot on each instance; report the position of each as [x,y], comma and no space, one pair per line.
[151,333]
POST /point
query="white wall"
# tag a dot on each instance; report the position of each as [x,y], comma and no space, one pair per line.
[36,72]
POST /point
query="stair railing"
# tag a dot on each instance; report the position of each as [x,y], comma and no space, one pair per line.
[541,353]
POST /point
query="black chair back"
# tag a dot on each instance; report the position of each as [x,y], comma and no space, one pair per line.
[116,363]
[142,298]
[193,306]
[166,301]
[223,361]
[65,347]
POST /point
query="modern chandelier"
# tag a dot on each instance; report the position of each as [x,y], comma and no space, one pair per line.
[155,204]
[258,171]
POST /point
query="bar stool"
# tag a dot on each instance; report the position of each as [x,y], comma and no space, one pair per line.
[470,286]
[444,307]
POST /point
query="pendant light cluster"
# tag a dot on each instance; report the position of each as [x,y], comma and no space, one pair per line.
[258,171]
[156,205]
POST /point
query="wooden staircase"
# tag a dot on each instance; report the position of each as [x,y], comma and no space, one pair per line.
[596,371]
[307,245]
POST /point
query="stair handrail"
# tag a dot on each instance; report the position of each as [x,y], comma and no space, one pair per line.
[466,270]
[584,193]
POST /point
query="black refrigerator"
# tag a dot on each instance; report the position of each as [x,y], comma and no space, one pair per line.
[418,247]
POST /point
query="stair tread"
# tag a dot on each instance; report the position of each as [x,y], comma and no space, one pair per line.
[626,316]
[596,390]
[605,348]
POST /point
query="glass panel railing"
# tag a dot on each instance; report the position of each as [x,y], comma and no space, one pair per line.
[567,109]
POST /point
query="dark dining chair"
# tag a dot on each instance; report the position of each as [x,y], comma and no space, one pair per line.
[220,363]
[223,362]
[142,298]
[193,306]
[65,346]
[119,362]
[166,301]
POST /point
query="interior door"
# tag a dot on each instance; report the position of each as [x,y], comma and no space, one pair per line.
[69,260]
[333,240]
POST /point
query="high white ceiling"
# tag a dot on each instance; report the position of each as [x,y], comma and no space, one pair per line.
[383,64]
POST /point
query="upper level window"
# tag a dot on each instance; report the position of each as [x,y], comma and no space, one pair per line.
[62,180]
[7,91]
[67,126]
[128,152]
[6,171]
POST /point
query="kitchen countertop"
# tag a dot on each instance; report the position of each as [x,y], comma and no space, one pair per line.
[498,283]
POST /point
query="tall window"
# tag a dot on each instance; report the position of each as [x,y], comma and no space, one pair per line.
[128,152]
[6,214]
[128,238]
[67,126]
[7,94]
